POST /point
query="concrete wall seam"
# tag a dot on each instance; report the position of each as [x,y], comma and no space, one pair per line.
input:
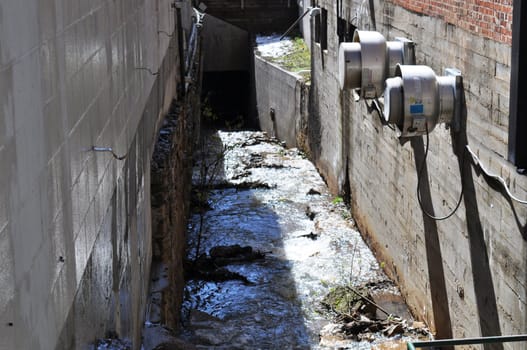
[464,276]
[74,224]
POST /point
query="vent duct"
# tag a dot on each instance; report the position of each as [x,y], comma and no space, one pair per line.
[366,62]
[416,100]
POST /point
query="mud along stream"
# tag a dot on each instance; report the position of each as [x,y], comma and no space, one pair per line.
[274,261]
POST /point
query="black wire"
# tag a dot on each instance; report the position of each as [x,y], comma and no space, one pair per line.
[148,70]
[109,150]
[166,33]
[419,175]
[380,112]
[119,157]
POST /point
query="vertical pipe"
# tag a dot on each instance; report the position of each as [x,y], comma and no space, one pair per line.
[467,341]
[518,105]
[181,90]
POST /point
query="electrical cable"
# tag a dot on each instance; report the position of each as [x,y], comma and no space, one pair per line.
[108,150]
[494,176]
[372,15]
[308,10]
[148,70]
[198,16]
[166,33]
[377,106]
[419,175]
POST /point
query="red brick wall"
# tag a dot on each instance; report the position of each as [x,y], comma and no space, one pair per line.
[489,18]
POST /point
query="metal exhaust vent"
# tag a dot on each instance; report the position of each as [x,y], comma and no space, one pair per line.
[366,62]
[416,100]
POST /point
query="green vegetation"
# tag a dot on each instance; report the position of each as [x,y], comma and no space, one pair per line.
[347,301]
[298,60]
[337,200]
[346,215]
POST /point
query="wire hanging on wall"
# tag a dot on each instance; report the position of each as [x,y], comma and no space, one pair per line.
[148,70]
[108,150]
[420,174]
[496,177]
[166,33]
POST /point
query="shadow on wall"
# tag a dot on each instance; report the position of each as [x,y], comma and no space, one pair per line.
[345,99]
[483,285]
[314,131]
[482,275]
[436,273]
[314,135]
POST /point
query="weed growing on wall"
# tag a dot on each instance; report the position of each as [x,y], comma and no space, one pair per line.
[297,59]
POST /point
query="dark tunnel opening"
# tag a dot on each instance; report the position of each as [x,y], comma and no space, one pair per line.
[226,99]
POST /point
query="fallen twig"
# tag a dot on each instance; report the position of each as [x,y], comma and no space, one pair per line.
[354,290]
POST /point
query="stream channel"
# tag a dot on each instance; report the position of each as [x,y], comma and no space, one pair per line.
[267,242]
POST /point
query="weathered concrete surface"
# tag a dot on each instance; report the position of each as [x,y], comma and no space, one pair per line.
[171,185]
[464,276]
[281,100]
[75,236]
[225,46]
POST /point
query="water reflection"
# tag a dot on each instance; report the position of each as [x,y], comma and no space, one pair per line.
[274,201]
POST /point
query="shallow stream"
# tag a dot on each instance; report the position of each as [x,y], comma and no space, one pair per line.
[254,192]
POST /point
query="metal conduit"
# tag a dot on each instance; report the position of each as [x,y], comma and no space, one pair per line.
[466,341]
[192,46]
[295,23]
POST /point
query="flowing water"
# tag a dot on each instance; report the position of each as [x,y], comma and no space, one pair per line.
[262,195]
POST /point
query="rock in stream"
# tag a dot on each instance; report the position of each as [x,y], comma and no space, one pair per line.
[257,197]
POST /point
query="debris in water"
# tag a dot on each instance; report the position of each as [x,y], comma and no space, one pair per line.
[355,316]
[210,267]
[394,329]
[310,213]
[230,251]
[311,235]
[220,274]
[312,192]
[113,343]
[256,230]
[346,302]
[226,255]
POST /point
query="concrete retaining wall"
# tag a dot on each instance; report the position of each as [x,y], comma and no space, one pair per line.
[226,47]
[75,235]
[281,98]
[464,276]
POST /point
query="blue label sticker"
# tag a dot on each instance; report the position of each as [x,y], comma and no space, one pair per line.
[417,109]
